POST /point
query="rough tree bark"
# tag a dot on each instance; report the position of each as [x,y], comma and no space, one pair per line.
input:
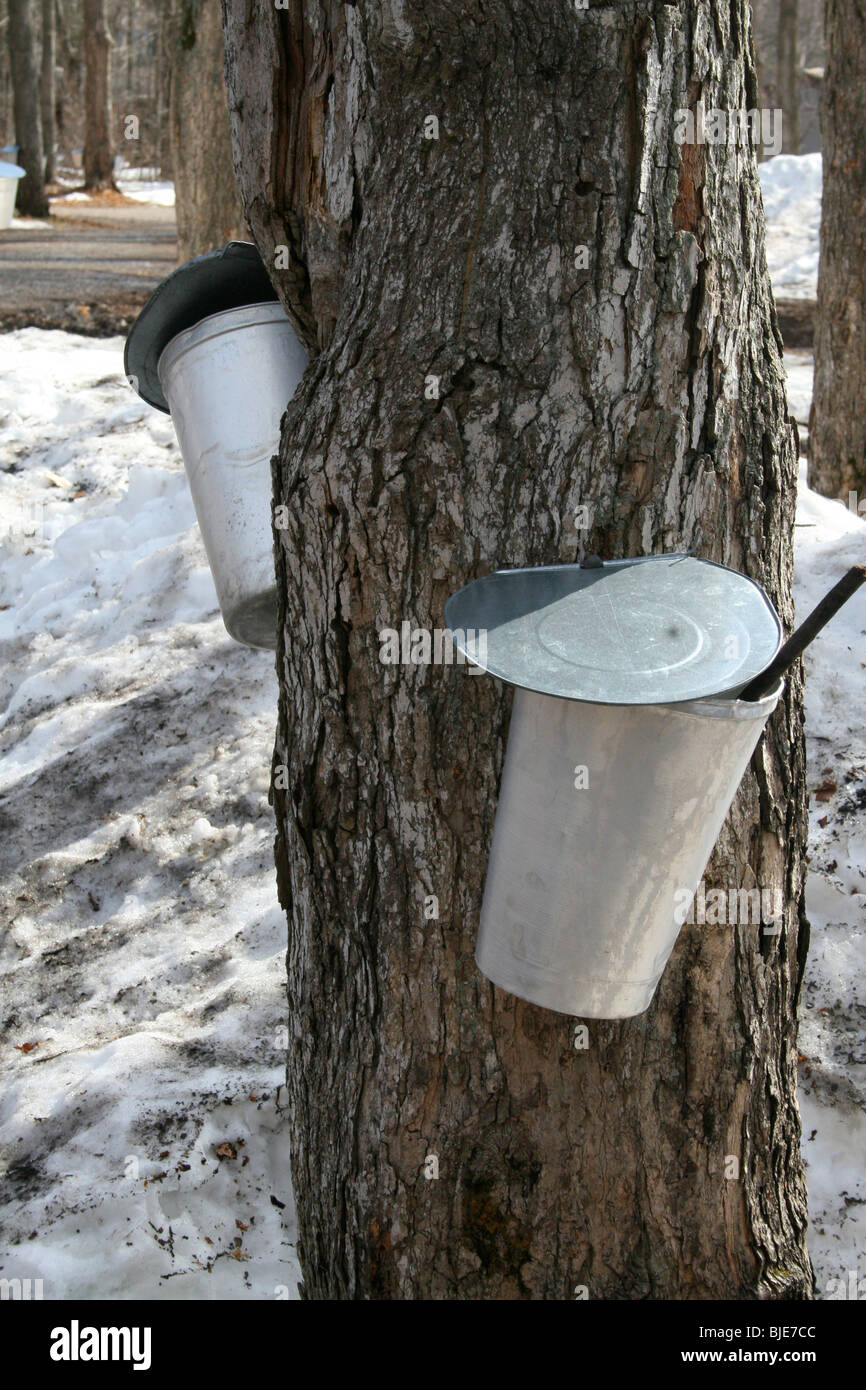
[647,386]
[208,202]
[46,87]
[837,427]
[787,80]
[98,145]
[31,200]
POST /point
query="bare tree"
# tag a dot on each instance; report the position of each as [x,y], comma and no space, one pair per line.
[208,202]
[46,87]
[31,199]
[98,144]
[162,89]
[788,75]
[492,196]
[837,433]
[756,8]
[69,86]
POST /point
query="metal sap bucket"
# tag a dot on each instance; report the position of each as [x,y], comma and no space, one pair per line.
[612,797]
[10,174]
[228,381]
[580,903]
[215,348]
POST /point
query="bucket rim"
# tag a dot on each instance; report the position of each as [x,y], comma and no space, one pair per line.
[233,276]
[730,706]
[706,707]
[511,602]
[216,326]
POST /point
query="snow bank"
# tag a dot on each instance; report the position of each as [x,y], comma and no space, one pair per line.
[831,538]
[158,191]
[143,185]
[144,1144]
[791,186]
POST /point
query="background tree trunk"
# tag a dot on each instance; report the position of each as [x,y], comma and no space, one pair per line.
[31,200]
[46,88]
[130,45]
[755,10]
[837,427]
[161,90]
[98,144]
[208,202]
[69,86]
[648,387]
[788,75]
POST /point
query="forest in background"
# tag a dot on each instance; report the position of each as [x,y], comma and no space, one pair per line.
[89,87]
[108,78]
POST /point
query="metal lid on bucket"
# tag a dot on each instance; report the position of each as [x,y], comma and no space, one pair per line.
[225,279]
[657,629]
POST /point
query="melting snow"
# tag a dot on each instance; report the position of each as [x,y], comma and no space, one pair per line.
[142,1123]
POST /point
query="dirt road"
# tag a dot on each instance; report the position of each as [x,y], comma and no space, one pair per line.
[88,269]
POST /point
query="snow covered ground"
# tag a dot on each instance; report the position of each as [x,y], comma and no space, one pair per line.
[135,184]
[141,1126]
[140,184]
[791,185]
[830,538]
[142,1129]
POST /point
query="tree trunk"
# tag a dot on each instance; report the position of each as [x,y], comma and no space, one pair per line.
[31,200]
[69,87]
[837,427]
[130,43]
[758,55]
[646,385]
[208,203]
[98,147]
[788,75]
[46,91]
[161,93]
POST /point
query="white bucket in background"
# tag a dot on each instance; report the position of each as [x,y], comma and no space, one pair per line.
[9,177]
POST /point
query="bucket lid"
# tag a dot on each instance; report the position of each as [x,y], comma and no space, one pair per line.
[11,171]
[224,279]
[658,629]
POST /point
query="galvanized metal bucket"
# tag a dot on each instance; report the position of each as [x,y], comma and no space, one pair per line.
[607,814]
[227,381]
[626,747]
[10,174]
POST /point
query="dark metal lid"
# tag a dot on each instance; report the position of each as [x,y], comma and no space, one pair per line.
[219,280]
[657,629]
